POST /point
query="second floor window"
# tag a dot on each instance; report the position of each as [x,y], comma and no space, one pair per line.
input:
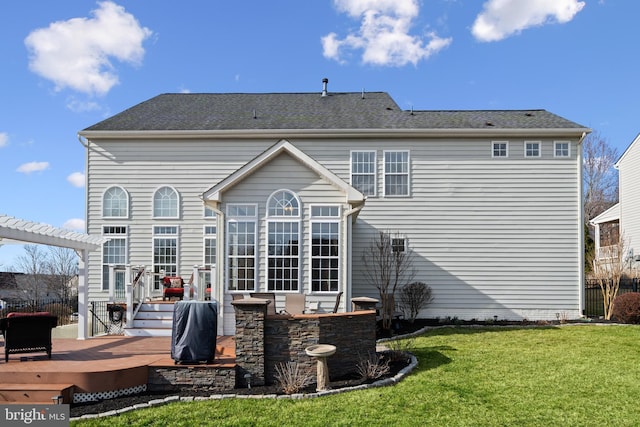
[363,172]
[165,203]
[531,149]
[396,173]
[115,203]
[283,254]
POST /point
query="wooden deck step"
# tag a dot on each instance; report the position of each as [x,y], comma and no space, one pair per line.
[35,393]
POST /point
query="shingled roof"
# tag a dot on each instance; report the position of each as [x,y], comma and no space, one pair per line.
[297,111]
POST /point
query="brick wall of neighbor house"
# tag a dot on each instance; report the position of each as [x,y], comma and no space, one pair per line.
[284,338]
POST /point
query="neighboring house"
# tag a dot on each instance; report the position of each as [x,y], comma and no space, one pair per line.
[283,192]
[623,219]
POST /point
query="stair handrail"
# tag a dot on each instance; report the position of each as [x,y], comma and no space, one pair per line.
[135,294]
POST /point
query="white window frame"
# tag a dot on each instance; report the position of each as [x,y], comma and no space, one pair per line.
[526,149]
[555,149]
[373,174]
[506,149]
[283,211]
[325,217]
[126,203]
[109,231]
[166,232]
[208,213]
[209,241]
[407,173]
[155,208]
[241,213]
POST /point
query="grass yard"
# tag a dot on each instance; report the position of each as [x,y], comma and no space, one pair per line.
[554,376]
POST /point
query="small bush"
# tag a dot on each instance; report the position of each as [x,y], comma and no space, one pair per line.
[373,367]
[413,297]
[292,378]
[626,308]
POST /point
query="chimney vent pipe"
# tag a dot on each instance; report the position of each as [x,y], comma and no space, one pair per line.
[324,86]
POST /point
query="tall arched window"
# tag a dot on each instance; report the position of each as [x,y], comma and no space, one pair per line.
[115,203]
[283,247]
[165,203]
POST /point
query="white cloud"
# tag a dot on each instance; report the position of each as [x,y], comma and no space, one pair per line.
[76,179]
[503,18]
[4,139]
[383,35]
[78,106]
[30,167]
[75,224]
[76,53]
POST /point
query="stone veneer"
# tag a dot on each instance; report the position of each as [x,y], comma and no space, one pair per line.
[262,342]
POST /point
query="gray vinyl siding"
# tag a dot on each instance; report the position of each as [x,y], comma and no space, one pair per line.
[629,177]
[490,235]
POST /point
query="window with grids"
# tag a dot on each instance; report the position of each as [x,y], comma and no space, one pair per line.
[165,203]
[210,252]
[325,248]
[283,241]
[114,252]
[165,253]
[500,149]
[561,149]
[115,203]
[241,247]
[363,172]
[531,149]
[396,173]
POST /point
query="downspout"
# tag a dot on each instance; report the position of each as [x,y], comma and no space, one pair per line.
[348,249]
[83,270]
[581,268]
[220,259]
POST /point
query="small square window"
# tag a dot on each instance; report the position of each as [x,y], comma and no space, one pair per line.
[500,149]
[398,245]
[561,149]
[531,149]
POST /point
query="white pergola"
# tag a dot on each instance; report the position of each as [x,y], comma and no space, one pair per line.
[14,230]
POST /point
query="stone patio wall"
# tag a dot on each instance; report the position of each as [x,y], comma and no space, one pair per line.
[263,342]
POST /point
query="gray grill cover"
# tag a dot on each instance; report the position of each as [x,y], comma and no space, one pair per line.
[193,335]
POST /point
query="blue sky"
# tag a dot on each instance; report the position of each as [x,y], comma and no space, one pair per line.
[69,64]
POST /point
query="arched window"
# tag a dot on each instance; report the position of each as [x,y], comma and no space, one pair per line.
[283,203]
[165,203]
[283,251]
[115,203]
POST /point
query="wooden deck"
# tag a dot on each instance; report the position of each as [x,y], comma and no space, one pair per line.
[80,370]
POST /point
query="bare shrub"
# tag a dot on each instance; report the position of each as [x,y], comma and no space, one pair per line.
[399,349]
[372,367]
[292,377]
[413,297]
[626,308]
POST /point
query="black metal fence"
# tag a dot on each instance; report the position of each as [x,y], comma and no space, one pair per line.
[593,300]
[98,318]
[66,310]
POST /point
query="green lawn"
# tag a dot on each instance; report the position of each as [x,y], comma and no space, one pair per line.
[566,376]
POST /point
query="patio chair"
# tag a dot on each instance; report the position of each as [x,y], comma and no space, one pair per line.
[271,307]
[335,307]
[294,304]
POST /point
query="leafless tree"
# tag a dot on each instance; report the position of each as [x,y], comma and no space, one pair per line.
[33,263]
[62,266]
[600,179]
[387,265]
[608,270]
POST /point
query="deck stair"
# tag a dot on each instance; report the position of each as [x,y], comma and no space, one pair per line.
[36,393]
[154,319]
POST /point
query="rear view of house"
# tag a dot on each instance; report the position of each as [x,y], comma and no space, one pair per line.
[283,193]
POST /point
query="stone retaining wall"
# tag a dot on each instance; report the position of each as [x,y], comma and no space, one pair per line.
[262,342]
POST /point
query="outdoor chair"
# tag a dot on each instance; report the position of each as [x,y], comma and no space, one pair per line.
[294,304]
[271,307]
[27,333]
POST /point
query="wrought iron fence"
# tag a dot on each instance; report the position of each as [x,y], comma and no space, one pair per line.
[98,318]
[593,300]
[66,310]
